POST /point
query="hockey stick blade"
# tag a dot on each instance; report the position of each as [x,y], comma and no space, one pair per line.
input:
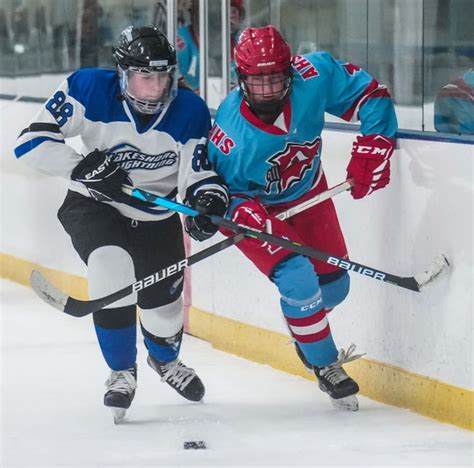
[438,265]
[78,308]
[46,291]
[410,282]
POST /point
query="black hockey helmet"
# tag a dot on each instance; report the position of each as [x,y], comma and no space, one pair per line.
[146,50]
[144,47]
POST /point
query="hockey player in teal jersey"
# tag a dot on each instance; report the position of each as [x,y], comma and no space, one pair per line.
[266,144]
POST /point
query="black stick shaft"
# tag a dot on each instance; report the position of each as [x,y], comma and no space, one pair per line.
[79,308]
[403,282]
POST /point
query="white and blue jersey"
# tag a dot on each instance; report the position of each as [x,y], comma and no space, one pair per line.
[164,156]
[279,162]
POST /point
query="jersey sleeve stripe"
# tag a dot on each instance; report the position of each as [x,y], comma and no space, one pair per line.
[32,144]
[373,90]
[41,127]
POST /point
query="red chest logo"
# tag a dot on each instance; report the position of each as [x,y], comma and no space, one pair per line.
[290,165]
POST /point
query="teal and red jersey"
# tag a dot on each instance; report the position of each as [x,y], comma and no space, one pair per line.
[187,47]
[279,162]
[454,106]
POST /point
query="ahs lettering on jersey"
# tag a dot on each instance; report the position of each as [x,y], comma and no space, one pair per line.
[287,153]
[170,151]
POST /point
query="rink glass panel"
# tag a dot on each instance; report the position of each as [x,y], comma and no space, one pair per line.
[412,46]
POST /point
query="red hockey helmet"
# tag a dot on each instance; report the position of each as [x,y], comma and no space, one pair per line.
[239,4]
[263,52]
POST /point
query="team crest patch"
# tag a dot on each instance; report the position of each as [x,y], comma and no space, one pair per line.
[129,157]
[290,165]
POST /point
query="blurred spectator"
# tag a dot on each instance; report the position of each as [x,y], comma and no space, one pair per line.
[454,106]
[160,15]
[91,13]
[63,23]
[187,42]
[21,28]
[4,35]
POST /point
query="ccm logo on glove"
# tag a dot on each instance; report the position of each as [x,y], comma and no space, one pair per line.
[369,166]
[370,150]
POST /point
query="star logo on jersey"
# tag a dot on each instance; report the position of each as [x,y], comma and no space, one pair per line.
[290,165]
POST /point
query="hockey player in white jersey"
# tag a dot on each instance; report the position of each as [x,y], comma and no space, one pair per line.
[138,126]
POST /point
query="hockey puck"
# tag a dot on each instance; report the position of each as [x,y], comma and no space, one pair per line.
[195,444]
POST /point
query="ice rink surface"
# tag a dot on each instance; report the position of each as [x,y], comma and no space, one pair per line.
[52,414]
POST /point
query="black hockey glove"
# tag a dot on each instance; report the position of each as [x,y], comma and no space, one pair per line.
[102,177]
[206,202]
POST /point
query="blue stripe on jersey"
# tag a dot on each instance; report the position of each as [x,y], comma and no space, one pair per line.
[32,144]
[98,90]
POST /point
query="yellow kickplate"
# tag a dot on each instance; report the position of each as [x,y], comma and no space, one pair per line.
[379,381]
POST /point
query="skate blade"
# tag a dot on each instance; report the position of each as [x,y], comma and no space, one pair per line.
[349,403]
[118,414]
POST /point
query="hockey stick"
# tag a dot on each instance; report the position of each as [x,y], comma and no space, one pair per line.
[77,308]
[323,196]
[413,283]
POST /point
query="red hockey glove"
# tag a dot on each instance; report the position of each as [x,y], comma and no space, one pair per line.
[251,213]
[264,256]
[370,164]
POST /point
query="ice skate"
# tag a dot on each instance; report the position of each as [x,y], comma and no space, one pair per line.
[334,381]
[180,377]
[121,387]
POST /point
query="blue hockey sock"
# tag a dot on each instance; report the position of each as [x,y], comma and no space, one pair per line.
[118,346]
[302,305]
[163,349]
[116,331]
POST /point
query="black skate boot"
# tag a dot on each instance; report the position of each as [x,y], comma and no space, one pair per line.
[183,379]
[334,381]
[121,387]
